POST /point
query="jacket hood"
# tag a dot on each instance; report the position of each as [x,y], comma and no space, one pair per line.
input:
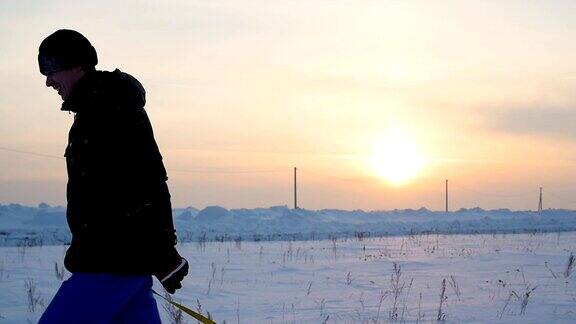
[105,90]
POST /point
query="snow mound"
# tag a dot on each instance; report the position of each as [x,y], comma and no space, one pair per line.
[212,213]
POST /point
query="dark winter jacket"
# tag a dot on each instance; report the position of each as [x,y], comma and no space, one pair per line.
[119,208]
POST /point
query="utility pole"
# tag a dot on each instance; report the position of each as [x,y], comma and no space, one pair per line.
[446,195]
[295,190]
[540,202]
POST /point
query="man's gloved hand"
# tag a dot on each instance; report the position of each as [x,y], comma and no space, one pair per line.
[173,275]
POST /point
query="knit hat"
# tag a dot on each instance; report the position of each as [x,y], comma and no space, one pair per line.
[65,49]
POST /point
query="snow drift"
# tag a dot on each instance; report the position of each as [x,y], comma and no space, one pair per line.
[47,225]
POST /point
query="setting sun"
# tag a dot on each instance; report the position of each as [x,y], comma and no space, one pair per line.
[396,158]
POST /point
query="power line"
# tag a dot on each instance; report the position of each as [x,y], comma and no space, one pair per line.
[560,199]
[224,171]
[206,170]
[494,194]
[240,171]
[31,153]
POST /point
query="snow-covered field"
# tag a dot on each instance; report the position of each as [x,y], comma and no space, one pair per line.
[522,278]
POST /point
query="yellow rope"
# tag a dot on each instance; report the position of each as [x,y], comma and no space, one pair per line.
[187,310]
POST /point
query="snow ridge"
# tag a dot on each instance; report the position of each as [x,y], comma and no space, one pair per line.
[47,225]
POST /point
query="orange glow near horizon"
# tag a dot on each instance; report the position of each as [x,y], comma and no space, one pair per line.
[376,111]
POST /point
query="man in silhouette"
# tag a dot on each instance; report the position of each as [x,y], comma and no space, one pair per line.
[119,209]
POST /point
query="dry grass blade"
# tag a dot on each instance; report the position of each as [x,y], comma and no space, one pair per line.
[569,266]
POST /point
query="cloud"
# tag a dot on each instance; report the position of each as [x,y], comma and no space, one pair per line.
[556,122]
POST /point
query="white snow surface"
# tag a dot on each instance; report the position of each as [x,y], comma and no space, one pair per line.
[488,278]
[46,225]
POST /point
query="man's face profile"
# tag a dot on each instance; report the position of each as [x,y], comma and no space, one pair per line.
[63,80]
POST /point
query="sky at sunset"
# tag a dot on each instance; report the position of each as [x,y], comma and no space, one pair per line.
[375,102]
